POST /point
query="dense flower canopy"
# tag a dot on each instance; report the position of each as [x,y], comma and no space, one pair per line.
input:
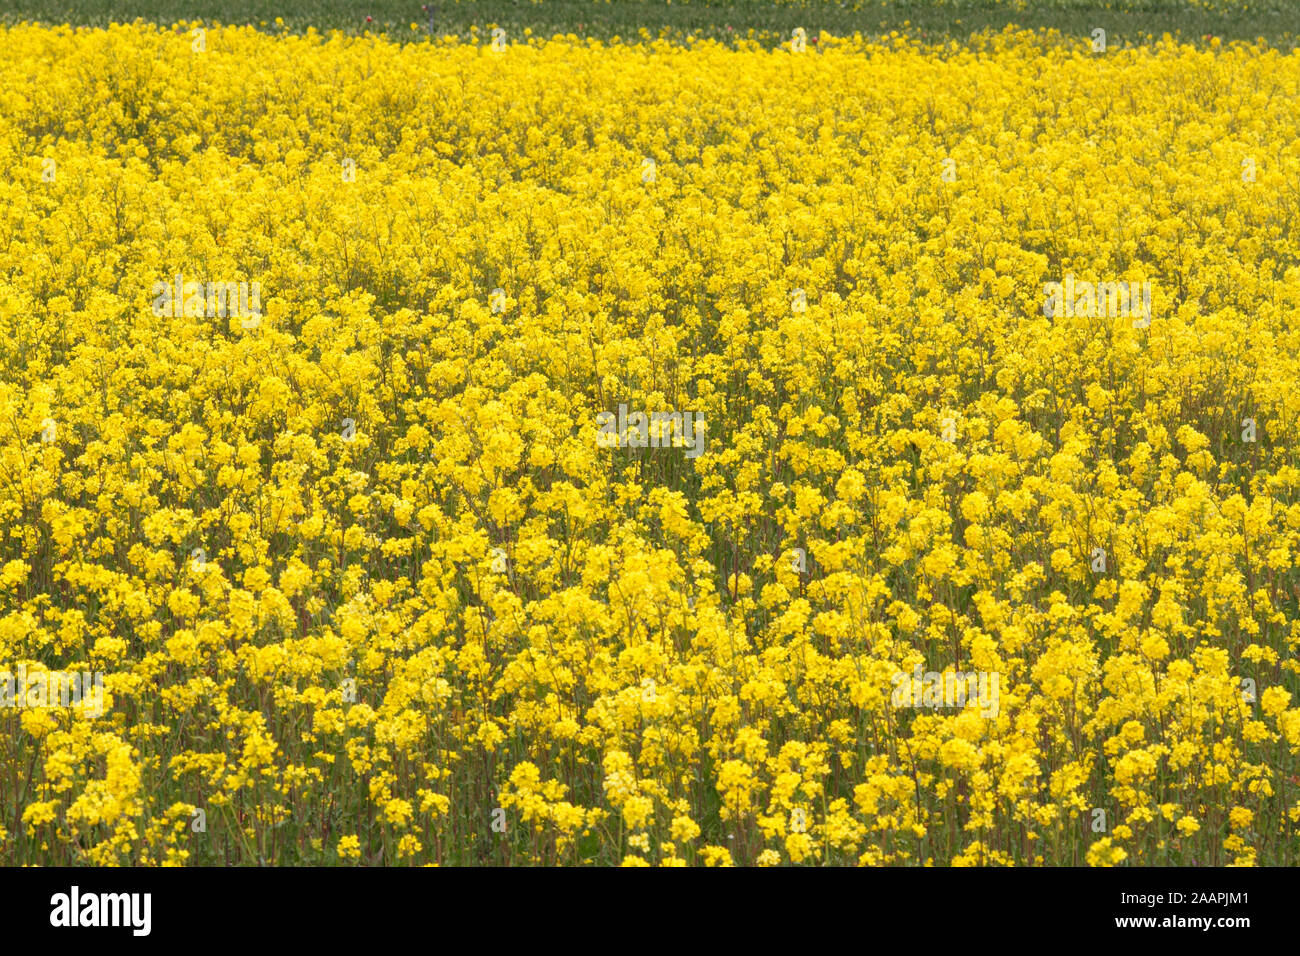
[364,585]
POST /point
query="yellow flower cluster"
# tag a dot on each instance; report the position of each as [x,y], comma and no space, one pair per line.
[364,585]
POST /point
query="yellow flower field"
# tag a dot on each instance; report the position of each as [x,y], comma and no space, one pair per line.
[367,584]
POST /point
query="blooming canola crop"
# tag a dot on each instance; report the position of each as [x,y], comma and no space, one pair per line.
[373,573]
